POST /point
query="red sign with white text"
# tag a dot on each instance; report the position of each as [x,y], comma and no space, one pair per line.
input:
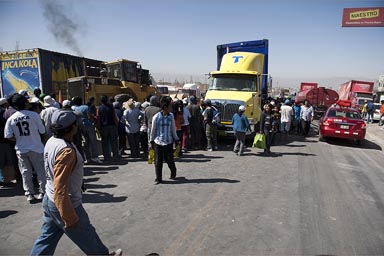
[363,17]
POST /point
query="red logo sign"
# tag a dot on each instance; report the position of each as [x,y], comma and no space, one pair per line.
[363,17]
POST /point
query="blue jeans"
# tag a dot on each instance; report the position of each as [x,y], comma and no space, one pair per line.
[90,142]
[84,234]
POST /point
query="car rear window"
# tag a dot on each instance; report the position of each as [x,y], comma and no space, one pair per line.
[343,113]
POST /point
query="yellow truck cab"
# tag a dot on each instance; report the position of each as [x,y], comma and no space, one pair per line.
[239,81]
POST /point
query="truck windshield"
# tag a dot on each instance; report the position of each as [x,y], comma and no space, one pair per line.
[234,83]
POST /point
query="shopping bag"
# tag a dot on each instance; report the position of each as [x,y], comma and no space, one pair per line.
[151,156]
[176,153]
[259,141]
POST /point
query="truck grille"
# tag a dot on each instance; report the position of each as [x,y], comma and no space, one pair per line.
[227,110]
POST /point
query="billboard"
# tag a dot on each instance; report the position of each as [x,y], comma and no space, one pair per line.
[363,17]
[19,70]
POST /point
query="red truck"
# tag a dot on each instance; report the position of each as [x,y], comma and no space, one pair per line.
[319,97]
[356,92]
[304,86]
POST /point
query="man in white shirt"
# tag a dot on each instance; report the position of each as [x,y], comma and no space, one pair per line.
[286,117]
[26,128]
[46,115]
[306,116]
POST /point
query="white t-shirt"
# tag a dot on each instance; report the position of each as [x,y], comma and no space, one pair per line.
[46,116]
[286,113]
[186,116]
[26,126]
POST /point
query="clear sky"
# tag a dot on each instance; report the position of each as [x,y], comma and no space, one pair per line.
[176,38]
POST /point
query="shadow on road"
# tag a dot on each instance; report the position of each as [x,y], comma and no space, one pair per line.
[190,157]
[352,144]
[280,154]
[182,180]
[93,196]
[6,213]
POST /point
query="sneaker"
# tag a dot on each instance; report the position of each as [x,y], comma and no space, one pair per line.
[210,150]
[30,198]
[39,196]
[96,160]
[117,252]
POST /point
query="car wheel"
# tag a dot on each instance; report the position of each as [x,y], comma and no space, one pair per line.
[321,137]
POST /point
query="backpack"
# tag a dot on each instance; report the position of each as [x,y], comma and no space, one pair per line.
[216,117]
[370,107]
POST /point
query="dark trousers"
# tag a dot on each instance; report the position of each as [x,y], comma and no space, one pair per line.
[164,153]
[306,125]
[109,139]
[134,144]
[144,141]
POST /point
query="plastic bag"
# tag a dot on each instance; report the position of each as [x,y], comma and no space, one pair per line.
[259,141]
[176,153]
[151,156]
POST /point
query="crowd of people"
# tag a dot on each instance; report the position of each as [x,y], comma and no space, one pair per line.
[44,145]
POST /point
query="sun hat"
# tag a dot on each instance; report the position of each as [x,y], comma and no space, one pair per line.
[48,101]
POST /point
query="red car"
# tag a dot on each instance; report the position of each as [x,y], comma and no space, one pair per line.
[342,122]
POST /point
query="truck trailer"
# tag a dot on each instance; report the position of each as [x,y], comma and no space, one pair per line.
[320,98]
[241,79]
[68,76]
[357,92]
[304,86]
[39,68]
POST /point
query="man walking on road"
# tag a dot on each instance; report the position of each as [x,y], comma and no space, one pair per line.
[62,204]
[240,127]
[306,116]
[163,135]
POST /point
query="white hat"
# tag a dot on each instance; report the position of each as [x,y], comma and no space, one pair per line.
[24,93]
[34,100]
[185,100]
[48,101]
[241,108]
[66,103]
[3,101]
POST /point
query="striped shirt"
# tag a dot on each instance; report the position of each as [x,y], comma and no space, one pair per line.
[163,131]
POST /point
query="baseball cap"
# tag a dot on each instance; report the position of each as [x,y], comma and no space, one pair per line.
[3,101]
[66,103]
[24,93]
[34,100]
[242,108]
[62,119]
[287,102]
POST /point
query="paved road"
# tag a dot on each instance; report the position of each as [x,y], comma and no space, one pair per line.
[310,197]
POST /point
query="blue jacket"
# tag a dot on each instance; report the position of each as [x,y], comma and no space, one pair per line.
[240,123]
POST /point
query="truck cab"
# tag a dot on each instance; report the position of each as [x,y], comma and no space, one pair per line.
[238,82]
